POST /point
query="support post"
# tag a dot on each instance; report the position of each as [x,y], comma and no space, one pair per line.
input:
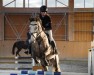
[46,2]
[23,3]
[1,21]
[71,21]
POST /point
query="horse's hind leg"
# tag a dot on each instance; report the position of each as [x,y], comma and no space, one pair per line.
[17,52]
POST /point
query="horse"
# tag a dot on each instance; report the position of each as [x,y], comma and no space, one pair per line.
[41,48]
[19,45]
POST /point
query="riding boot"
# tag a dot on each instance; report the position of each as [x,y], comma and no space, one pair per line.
[54,47]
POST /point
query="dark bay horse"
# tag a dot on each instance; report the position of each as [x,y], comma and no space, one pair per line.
[18,46]
[41,48]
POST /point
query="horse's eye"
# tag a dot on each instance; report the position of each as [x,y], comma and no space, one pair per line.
[35,24]
[35,28]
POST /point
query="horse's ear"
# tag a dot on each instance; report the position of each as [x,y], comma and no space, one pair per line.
[37,19]
[31,19]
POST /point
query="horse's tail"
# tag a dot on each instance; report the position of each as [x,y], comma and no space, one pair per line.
[13,48]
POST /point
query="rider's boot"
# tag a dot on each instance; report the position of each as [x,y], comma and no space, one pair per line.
[54,47]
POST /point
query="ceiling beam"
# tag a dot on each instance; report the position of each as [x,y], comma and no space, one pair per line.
[33,10]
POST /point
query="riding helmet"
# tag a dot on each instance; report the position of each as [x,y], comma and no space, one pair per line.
[43,8]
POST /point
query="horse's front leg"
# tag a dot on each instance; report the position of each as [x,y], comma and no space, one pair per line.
[34,57]
[56,67]
[45,68]
[35,60]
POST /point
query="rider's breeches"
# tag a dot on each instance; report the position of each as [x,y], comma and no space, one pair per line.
[49,32]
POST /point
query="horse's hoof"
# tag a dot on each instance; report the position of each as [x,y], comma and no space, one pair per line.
[26,52]
[36,62]
[16,57]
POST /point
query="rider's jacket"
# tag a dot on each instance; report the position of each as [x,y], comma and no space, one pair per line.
[46,22]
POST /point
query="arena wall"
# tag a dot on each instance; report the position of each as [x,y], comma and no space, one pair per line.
[67,50]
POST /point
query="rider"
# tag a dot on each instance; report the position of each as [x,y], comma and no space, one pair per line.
[46,24]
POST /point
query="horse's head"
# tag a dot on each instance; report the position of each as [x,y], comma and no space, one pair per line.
[35,28]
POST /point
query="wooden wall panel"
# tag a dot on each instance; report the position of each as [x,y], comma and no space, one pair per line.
[83,24]
[67,50]
[59,26]
[16,25]
[73,50]
[83,36]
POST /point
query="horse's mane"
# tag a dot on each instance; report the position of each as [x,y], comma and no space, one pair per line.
[36,19]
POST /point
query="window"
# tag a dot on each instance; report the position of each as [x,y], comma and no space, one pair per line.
[8,3]
[57,3]
[35,3]
[89,4]
[83,3]
[78,3]
[19,3]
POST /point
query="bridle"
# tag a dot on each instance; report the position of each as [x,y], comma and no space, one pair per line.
[38,33]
